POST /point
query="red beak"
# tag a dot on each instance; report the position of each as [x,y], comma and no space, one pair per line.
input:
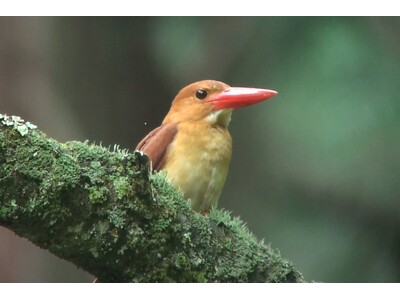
[236,97]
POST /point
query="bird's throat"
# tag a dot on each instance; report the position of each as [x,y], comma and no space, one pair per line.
[220,117]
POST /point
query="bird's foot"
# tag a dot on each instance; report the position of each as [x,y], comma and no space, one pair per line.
[143,160]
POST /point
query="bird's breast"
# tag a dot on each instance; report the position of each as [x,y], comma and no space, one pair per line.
[198,162]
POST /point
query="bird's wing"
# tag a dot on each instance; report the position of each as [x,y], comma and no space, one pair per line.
[156,143]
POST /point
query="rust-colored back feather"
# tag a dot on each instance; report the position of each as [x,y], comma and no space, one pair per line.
[156,143]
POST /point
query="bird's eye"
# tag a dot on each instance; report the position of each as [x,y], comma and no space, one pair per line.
[201,94]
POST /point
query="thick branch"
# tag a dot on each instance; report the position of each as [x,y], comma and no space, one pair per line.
[102,210]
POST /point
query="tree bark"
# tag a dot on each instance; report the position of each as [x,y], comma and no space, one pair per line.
[104,211]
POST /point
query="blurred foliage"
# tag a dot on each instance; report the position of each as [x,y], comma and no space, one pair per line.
[318,165]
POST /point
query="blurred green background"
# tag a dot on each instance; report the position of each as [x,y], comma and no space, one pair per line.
[315,171]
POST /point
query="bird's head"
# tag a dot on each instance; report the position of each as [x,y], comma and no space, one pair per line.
[213,101]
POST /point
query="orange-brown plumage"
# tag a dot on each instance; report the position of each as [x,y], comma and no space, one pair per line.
[193,144]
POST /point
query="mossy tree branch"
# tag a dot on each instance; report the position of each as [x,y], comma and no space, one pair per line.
[104,212]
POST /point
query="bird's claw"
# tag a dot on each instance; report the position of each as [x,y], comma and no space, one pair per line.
[143,159]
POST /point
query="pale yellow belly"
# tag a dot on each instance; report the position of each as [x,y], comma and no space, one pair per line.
[199,164]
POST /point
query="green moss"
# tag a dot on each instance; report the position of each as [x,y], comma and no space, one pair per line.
[97,194]
[122,187]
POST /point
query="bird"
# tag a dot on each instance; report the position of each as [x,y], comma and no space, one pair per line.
[193,145]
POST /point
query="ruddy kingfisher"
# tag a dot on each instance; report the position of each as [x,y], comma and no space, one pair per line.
[193,144]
